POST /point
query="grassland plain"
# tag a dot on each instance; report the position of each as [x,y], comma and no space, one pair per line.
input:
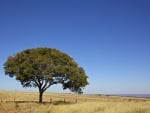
[27,102]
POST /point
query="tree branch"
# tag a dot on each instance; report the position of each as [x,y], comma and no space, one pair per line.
[47,86]
[36,82]
[46,82]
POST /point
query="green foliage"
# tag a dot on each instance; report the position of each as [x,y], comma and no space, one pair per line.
[43,67]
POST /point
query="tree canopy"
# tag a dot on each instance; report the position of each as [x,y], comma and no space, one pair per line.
[43,67]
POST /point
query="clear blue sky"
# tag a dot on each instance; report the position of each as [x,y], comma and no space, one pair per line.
[110,39]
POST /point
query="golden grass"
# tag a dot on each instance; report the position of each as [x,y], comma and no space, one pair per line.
[25,102]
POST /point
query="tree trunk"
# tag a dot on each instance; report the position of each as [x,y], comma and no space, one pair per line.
[40,96]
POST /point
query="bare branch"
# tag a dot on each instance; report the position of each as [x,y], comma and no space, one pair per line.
[47,86]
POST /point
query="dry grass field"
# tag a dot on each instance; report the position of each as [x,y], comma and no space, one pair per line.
[26,102]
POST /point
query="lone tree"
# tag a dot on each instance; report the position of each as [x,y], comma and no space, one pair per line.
[43,67]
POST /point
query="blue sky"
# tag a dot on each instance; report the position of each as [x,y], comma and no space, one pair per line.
[110,39]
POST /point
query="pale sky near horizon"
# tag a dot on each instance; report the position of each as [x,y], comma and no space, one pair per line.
[110,39]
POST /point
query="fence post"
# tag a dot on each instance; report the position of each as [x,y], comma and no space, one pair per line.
[14,99]
[50,100]
[76,100]
[64,100]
